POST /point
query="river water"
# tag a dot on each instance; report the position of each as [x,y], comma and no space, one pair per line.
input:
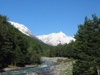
[42,68]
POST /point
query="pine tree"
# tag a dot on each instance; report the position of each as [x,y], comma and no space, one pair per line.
[86,47]
[5,44]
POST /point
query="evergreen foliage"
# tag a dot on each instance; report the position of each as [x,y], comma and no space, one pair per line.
[16,48]
[61,51]
[87,47]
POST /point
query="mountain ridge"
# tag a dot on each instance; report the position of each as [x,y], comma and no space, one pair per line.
[56,38]
[22,28]
[52,39]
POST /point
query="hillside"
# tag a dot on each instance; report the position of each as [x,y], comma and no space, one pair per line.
[23,29]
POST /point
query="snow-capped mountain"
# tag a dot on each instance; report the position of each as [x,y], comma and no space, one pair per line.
[22,28]
[56,38]
[51,39]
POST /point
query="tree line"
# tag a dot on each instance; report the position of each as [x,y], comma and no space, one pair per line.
[65,50]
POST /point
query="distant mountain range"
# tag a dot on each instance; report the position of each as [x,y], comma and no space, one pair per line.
[56,38]
[51,39]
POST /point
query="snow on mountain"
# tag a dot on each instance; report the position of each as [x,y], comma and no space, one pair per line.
[51,39]
[56,38]
[22,28]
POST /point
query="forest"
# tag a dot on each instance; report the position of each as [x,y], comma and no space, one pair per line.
[18,49]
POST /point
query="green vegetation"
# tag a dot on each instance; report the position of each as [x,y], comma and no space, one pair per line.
[60,60]
[17,49]
[61,51]
[68,72]
[87,47]
[65,60]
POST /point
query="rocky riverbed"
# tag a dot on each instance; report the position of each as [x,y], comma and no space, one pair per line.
[64,66]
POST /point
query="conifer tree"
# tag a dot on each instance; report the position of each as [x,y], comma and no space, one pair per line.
[5,44]
[86,47]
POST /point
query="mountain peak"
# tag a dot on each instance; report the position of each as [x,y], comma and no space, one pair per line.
[61,32]
[56,38]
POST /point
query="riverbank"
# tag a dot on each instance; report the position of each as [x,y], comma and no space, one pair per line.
[64,66]
[11,68]
[42,69]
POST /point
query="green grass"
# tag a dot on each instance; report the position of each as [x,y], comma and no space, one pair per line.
[63,60]
[60,60]
[66,60]
[69,72]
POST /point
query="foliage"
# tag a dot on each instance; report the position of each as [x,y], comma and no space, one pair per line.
[61,51]
[16,48]
[86,48]
[68,72]
[60,60]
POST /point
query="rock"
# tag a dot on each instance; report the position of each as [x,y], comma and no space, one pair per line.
[32,74]
[9,69]
[58,69]
[29,66]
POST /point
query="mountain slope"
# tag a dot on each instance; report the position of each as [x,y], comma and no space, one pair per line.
[51,39]
[22,28]
[56,38]
[27,32]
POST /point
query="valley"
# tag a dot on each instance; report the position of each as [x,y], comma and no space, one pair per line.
[74,55]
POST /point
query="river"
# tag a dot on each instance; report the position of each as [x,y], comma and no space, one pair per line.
[42,68]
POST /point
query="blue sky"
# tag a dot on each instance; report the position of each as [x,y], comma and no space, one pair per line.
[50,16]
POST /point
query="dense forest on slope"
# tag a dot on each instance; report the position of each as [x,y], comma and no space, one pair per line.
[16,48]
